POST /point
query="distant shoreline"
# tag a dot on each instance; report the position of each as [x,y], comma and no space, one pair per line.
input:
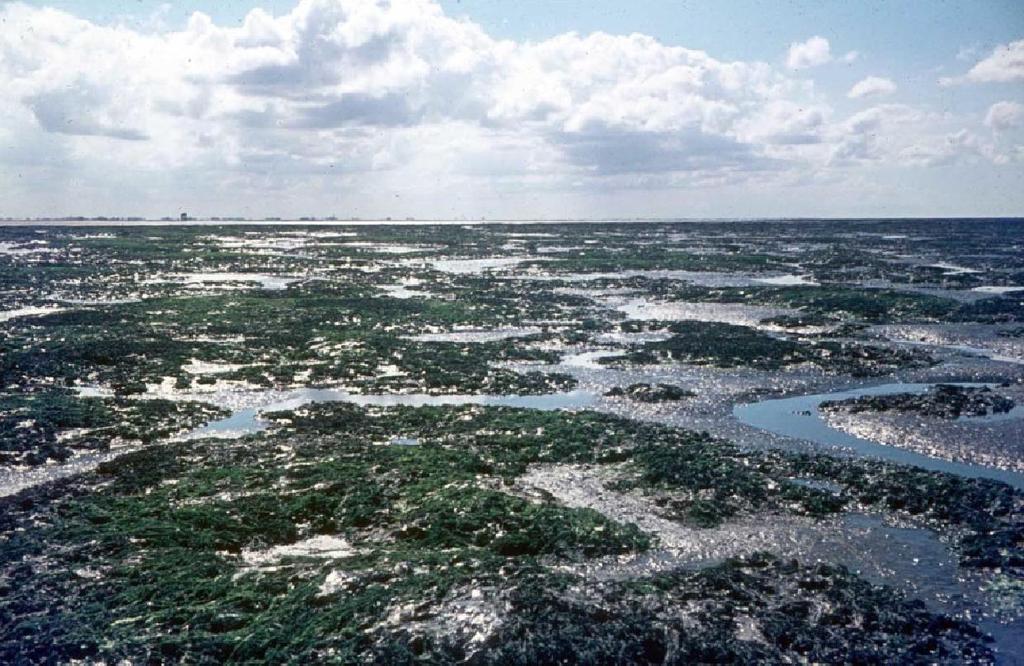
[447,222]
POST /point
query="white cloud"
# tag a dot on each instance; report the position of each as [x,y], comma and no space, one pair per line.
[898,135]
[950,148]
[320,84]
[815,51]
[344,100]
[1005,115]
[872,86]
[1005,64]
[785,122]
[876,134]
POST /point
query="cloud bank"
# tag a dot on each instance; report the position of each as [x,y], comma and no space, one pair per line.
[343,103]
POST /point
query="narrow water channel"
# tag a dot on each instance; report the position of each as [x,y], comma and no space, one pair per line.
[799,417]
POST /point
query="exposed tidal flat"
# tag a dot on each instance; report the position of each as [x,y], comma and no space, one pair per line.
[513,443]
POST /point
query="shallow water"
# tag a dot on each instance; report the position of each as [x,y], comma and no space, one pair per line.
[16,479]
[737,314]
[969,351]
[916,561]
[478,266]
[402,290]
[476,335]
[798,417]
[788,281]
[971,340]
[29,312]
[711,279]
[588,359]
[953,269]
[997,290]
[266,281]
[246,421]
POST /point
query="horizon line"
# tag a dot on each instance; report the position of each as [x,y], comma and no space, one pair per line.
[408,221]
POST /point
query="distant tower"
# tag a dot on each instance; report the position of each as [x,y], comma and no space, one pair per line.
[184,217]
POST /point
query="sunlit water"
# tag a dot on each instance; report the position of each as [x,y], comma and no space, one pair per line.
[247,421]
[799,417]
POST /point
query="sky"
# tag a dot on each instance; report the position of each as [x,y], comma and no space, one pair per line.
[462,109]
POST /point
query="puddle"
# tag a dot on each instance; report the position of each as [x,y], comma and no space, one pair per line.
[477,266]
[476,335]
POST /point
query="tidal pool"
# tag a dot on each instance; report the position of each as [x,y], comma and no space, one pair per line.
[738,314]
[246,421]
